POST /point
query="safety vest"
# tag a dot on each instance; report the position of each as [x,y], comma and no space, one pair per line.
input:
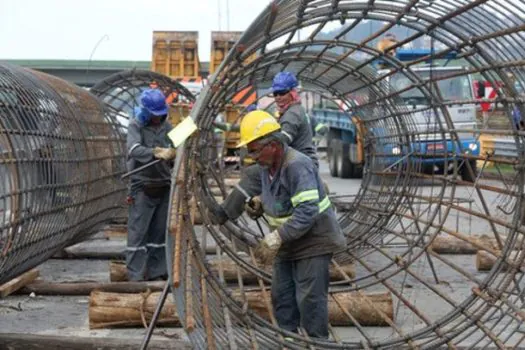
[299,198]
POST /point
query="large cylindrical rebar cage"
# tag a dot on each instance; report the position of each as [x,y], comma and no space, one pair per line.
[61,154]
[403,207]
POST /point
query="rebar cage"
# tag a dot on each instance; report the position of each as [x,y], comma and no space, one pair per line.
[402,209]
[61,154]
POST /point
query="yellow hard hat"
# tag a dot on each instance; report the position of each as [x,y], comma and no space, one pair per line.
[255,125]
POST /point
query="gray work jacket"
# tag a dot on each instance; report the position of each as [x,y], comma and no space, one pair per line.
[295,202]
[140,143]
[295,126]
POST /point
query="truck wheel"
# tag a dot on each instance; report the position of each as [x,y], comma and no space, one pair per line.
[332,158]
[357,172]
[345,166]
[465,173]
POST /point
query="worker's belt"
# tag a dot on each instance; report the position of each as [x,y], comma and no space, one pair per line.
[156,190]
[297,199]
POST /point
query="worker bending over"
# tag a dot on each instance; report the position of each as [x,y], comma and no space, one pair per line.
[305,230]
[296,132]
[149,189]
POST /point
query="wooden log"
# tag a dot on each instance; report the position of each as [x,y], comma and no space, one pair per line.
[367,309]
[118,271]
[485,260]
[127,310]
[18,282]
[454,245]
[116,231]
[85,288]
[109,310]
[43,341]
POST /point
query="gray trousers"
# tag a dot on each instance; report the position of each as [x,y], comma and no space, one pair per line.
[300,294]
[146,249]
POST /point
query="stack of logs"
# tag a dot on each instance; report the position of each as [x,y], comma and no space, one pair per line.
[119,309]
[107,309]
[486,249]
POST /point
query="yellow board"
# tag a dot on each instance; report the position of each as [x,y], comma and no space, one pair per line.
[181,132]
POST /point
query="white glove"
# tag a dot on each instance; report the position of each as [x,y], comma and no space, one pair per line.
[254,208]
[164,153]
[268,248]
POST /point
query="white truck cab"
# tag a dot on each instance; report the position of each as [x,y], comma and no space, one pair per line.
[434,148]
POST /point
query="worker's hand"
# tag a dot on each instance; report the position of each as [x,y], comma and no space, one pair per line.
[267,249]
[254,208]
[164,153]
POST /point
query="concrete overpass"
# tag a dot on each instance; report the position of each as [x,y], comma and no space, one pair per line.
[83,72]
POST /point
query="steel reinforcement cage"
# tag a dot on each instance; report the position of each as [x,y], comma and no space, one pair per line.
[62,152]
[395,220]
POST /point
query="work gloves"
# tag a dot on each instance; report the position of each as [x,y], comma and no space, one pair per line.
[267,248]
[254,208]
[164,153]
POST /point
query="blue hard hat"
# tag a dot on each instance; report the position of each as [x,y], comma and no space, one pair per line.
[251,108]
[284,81]
[154,101]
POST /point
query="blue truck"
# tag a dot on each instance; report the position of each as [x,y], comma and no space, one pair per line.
[432,150]
[344,142]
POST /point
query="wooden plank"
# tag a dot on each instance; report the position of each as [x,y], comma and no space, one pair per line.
[18,282]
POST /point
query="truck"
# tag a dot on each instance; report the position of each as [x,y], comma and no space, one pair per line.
[432,150]
[345,148]
[175,54]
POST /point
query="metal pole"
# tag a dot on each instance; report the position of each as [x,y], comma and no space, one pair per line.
[155,317]
[145,166]
[227,14]
[219,12]
[105,36]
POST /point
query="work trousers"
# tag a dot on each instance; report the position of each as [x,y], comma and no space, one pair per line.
[146,248]
[300,294]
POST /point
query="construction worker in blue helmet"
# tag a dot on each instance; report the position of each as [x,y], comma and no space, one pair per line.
[296,132]
[304,229]
[148,196]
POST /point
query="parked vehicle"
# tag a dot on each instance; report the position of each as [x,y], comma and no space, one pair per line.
[344,142]
[435,150]
[432,149]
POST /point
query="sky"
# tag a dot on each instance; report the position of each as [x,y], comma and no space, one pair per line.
[112,29]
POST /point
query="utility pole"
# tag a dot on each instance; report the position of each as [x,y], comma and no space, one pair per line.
[219,12]
[228,15]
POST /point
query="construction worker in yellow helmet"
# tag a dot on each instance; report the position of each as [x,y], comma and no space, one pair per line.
[295,131]
[304,230]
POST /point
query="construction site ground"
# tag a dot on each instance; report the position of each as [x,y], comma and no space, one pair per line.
[66,317]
